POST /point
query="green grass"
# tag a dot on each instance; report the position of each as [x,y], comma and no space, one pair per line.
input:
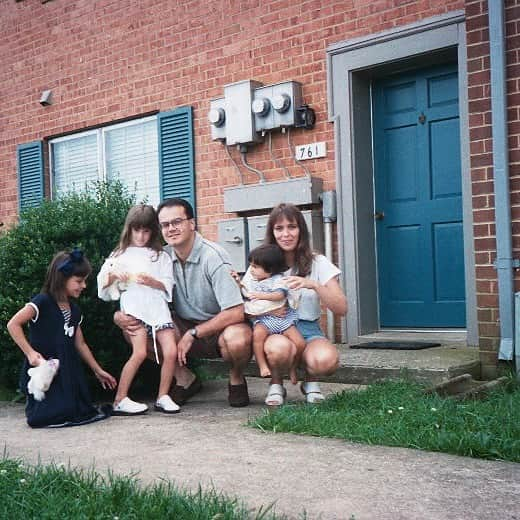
[53,492]
[399,414]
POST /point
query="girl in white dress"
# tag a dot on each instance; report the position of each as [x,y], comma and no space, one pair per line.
[141,273]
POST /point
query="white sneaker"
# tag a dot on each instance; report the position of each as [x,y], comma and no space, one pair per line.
[128,407]
[165,404]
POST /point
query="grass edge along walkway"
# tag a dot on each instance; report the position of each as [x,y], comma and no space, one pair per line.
[397,413]
[57,492]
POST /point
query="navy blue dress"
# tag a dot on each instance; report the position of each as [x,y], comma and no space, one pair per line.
[67,402]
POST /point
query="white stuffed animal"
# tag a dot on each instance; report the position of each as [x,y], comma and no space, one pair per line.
[113,291]
[41,378]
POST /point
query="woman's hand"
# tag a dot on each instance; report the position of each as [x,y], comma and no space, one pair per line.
[299,282]
[108,382]
[330,294]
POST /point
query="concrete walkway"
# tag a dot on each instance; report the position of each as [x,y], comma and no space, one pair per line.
[209,444]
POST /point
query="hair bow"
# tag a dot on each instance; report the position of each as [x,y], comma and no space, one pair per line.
[74,257]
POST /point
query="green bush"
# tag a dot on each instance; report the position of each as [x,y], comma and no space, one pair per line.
[90,220]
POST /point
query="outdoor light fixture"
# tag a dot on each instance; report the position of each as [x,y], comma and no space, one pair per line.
[46,98]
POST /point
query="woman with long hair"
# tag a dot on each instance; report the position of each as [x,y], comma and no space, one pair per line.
[316,278]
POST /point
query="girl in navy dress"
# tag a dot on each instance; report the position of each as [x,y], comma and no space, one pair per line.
[55,332]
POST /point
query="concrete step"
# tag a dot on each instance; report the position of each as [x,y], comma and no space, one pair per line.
[430,366]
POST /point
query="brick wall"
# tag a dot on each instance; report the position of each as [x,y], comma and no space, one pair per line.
[107,61]
[481,148]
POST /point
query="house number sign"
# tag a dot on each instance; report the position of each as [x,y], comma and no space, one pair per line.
[310,151]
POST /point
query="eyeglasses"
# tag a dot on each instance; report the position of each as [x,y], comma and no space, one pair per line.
[176,223]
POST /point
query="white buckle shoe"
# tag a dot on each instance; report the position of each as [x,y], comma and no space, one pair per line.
[311,391]
[276,395]
[128,407]
[165,404]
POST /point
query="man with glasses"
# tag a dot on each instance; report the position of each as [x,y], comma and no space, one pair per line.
[207,303]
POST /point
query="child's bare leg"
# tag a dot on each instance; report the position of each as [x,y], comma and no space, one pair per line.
[131,367]
[297,339]
[166,338]
[260,334]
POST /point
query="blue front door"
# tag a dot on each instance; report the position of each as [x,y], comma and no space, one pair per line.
[418,199]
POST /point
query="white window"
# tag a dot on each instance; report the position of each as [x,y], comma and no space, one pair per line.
[126,151]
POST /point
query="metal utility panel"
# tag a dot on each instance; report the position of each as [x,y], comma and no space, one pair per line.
[232,236]
[256,227]
[249,197]
[274,106]
[262,108]
[240,123]
[217,118]
[287,97]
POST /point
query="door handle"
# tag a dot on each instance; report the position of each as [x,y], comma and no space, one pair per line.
[235,240]
[379,215]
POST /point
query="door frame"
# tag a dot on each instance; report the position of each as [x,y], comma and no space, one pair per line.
[351,66]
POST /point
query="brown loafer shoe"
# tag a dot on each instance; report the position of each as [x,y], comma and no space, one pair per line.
[180,394]
[238,395]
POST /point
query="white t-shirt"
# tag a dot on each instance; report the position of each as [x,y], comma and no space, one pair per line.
[145,303]
[322,271]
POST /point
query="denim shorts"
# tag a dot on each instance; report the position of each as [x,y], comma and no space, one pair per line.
[309,329]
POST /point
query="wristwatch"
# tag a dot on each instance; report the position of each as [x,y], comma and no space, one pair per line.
[193,332]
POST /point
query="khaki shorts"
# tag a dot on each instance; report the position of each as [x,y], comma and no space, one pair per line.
[207,347]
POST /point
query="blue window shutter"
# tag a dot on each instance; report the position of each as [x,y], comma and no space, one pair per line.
[30,174]
[176,154]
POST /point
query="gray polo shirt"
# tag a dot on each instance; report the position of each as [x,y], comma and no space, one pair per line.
[203,285]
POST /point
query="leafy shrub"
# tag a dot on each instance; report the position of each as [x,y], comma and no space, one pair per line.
[90,220]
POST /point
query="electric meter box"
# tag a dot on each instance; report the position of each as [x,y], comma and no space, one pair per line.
[275,106]
[240,123]
[217,118]
[232,236]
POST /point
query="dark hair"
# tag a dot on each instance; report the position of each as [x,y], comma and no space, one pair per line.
[303,254]
[139,217]
[175,201]
[63,266]
[269,257]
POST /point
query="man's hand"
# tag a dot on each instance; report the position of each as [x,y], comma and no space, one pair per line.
[127,323]
[183,347]
[235,276]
